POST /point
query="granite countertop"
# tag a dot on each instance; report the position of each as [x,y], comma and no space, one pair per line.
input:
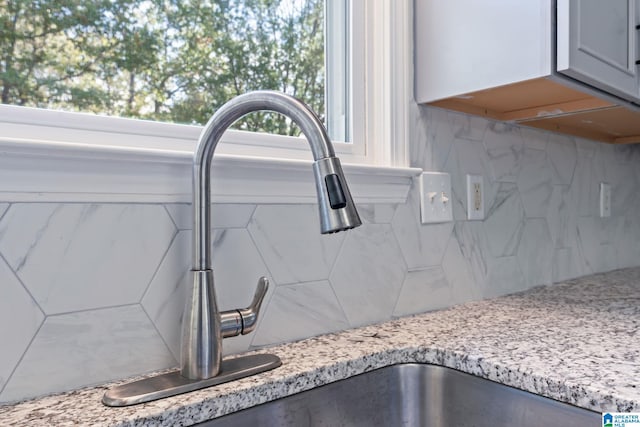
[576,342]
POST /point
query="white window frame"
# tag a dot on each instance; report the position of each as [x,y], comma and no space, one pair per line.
[68,157]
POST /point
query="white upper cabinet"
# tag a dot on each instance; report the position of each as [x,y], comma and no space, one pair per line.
[597,44]
[562,65]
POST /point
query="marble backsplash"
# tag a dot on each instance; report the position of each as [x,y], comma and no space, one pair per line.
[94,292]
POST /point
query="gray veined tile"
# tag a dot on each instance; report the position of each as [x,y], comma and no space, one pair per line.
[368,274]
[223,215]
[474,246]
[376,213]
[562,216]
[535,252]
[20,318]
[90,347]
[535,183]
[567,264]
[505,277]
[289,239]
[585,186]
[3,208]
[422,291]
[83,256]
[595,241]
[432,137]
[422,245]
[458,273]
[562,155]
[504,220]
[504,146]
[164,300]
[534,138]
[300,311]
[469,127]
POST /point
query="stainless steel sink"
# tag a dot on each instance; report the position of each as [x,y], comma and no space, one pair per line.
[412,395]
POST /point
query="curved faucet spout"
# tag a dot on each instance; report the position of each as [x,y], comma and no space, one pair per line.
[202,323]
[321,148]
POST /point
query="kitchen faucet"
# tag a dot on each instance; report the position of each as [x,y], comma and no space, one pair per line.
[203,325]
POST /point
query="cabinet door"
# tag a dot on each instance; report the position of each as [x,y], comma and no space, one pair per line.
[596,44]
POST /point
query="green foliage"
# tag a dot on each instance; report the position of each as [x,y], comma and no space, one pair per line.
[168,60]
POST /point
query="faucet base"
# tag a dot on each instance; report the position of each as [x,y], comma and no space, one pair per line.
[172,383]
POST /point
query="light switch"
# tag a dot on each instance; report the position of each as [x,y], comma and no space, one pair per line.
[435,197]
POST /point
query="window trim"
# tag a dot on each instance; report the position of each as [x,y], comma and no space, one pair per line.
[62,156]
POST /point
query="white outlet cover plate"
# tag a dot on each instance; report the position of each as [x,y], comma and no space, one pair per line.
[435,197]
[475,211]
[605,200]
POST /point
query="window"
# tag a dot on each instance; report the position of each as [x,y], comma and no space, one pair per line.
[377,94]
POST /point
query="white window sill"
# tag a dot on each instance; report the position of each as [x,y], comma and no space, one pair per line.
[36,170]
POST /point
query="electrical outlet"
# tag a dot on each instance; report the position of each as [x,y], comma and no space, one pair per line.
[605,200]
[475,197]
[435,197]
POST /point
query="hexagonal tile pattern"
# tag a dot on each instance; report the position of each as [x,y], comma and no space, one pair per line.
[422,291]
[237,265]
[535,252]
[89,347]
[504,221]
[468,157]
[82,256]
[504,146]
[3,208]
[300,311]
[223,215]
[534,138]
[289,239]
[434,129]
[594,240]
[584,186]
[20,318]
[562,217]
[422,245]
[474,246]
[567,264]
[562,155]
[368,274]
[504,277]
[376,213]
[458,273]
[535,183]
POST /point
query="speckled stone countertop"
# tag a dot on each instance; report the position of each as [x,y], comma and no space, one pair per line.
[576,342]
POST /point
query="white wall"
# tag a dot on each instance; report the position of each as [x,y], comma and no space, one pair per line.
[93,292]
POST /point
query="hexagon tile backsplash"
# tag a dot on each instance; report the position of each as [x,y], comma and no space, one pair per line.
[95,292]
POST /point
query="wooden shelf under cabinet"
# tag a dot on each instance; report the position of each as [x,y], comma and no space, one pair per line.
[545,104]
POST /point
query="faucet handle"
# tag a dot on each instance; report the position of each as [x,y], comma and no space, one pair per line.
[244,320]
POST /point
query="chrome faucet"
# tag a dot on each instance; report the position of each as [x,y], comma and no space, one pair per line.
[204,327]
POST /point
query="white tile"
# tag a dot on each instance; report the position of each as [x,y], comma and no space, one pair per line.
[3,208]
[562,217]
[223,215]
[165,299]
[90,347]
[535,252]
[20,318]
[584,186]
[535,183]
[567,264]
[432,137]
[595,238]
[300,311]
[586,147]
[289,239]
[422,245]
[83,256]
[423,290]
[458,273]
[534,138]
[504,221]
[474,246]
[505,277]
[469,127]
[562,155]
[504,146]
[368,274]
[376,213]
